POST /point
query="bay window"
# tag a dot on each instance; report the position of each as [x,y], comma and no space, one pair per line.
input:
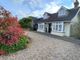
[58,26]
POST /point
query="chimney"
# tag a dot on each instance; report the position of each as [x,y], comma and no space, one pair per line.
[76,3]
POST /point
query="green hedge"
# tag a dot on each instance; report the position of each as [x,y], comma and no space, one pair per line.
[25,22]
[18,46]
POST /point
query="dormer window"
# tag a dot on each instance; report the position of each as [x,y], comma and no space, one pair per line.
[62,12]
[45,16]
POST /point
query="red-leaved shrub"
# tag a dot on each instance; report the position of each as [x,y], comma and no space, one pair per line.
[11,35]
[2,52]
[10,31]
[11,21]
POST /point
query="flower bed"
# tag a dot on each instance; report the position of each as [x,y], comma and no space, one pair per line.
[12,37]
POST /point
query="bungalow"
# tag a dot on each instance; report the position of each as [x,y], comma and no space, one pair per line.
[59,23]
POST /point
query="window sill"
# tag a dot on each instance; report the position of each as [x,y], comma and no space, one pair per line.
[58,31]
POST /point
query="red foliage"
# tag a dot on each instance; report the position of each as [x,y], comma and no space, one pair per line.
[10,31]
[2,52]
[11,35]
[11,21]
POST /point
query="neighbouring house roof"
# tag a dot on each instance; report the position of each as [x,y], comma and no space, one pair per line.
[34,19]
[4,12]
[54,17]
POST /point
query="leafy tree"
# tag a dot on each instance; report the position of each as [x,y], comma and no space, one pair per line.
[26,22]
[76,28]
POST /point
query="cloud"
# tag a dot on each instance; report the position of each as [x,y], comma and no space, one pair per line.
[72,5]
[37,13]
[22,13]
[17,1]
[79,2]
[38,7]
[33,5]
[51,8]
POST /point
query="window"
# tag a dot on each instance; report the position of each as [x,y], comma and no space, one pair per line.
[62,13]
[40,26]
[58,26]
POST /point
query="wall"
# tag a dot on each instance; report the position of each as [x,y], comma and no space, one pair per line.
[58,33]
[66,29]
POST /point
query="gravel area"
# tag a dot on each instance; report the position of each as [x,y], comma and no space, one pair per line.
[46,48]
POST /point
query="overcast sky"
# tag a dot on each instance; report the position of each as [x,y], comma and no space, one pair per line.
[36,8]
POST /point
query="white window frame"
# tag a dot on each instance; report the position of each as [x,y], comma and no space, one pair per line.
[56,28]
[62,13]
[40,26]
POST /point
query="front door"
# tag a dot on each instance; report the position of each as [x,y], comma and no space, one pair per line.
[35,27]
[46,26]
[49,28]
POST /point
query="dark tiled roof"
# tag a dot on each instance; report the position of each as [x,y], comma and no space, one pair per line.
[37,20]
[54,17]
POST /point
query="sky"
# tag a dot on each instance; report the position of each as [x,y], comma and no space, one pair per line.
[36,8]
